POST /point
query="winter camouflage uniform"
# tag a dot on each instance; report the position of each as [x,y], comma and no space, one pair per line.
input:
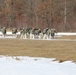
[3,30]
[14,32]
[23,33]
[46,33]
[53,31]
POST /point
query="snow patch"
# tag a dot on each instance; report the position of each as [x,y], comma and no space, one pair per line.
[35,66]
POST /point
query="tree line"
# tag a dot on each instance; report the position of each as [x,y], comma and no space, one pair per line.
[58,14]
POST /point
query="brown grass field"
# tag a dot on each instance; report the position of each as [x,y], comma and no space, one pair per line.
[61,50]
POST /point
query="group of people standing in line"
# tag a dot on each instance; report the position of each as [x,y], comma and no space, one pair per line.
[32,33]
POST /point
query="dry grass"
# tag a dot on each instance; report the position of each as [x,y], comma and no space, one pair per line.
[62,50]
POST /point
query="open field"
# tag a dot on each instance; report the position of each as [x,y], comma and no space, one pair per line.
[62,50]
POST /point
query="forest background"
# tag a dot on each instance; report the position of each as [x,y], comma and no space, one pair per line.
[58,14]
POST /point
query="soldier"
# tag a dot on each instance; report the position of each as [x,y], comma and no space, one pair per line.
[3,30]
[37,33]
[32,33]
[29,32]
[46,33]
[53,31]
[23,33]
[14,32]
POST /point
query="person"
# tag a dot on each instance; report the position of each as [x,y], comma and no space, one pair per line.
[23,33]
[53,31]
[14,32]
[3,30]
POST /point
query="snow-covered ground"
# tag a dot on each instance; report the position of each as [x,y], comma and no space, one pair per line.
[35,66]
[66,33]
